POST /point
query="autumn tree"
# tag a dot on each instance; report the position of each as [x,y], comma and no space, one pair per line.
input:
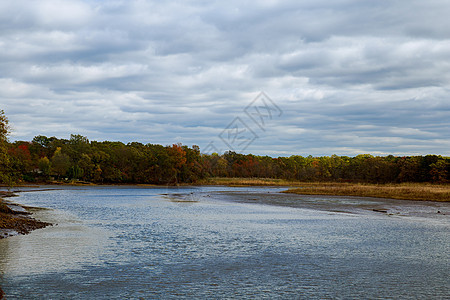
[116,162]
[409,169]
[22,165]
[5,176]
[60,163]
[438,171]
[44,165]
[177,159]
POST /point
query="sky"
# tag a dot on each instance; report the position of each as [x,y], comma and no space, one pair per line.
[277,78]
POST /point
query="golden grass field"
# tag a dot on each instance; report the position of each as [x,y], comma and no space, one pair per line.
[405,191]
[248,182]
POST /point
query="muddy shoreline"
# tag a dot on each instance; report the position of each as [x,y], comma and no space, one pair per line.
[345,204]
[16,219]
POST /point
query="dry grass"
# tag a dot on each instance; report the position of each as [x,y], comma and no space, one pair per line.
[428,192]
[405,191]
[249,182]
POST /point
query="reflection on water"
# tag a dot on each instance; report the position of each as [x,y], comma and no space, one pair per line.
[119,242]
[65,246]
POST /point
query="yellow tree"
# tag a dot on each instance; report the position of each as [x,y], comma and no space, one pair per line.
[60,163]
[44,165]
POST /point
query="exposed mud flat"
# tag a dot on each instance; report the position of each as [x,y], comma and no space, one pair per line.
[16,219]
[345,204]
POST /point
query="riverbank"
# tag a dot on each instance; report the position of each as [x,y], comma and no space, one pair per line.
[403,191]
[416,191]
[16,219]
[238,182]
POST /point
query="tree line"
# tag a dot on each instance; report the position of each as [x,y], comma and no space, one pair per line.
[50,158]
[78,158]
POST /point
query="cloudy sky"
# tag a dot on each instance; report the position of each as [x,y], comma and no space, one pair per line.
[341,77]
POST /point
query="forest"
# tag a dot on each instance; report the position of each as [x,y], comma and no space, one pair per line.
[46,159]
[50,158]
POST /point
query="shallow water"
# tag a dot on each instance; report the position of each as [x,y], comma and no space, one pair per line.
[221,242]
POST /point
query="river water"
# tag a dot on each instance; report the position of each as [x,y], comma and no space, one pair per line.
[225,242]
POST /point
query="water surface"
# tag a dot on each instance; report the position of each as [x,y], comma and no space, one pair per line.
[222,242]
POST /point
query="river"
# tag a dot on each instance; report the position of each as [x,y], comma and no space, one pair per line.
[226,242]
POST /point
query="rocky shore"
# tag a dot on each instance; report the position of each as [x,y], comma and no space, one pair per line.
[15,219]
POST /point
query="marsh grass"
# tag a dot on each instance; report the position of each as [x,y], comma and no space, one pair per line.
[250,182]
[405,191]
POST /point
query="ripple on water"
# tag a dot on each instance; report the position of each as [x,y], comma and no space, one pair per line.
[131,242]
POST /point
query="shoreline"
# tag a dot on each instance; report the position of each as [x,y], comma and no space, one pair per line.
[414,192]
[15,219]
[398,191]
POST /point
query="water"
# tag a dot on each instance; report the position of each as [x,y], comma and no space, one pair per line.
[221,242]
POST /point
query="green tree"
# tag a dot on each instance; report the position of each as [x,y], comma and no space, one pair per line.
[5,166]
[75,172]
[60,163]
[77,146]
[409,169]
[438,171]
[44,165]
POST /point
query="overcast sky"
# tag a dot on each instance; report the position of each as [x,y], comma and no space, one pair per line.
[344,77]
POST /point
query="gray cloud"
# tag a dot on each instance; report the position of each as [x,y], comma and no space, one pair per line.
[350,76]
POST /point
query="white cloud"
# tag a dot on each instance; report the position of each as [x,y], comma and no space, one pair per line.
[61,14]
[350,76]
